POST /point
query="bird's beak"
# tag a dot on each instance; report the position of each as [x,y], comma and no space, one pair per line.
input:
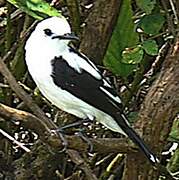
[68,36]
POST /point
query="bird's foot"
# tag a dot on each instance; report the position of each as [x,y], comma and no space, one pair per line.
[61,132]
[72,125]
[85,138]
[62,139]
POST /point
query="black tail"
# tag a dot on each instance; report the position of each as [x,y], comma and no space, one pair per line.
[138,141]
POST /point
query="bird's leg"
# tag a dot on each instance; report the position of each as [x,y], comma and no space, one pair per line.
[61,132]
[75,124]
[83,135]
[85,138]
[62,138]
[80,132]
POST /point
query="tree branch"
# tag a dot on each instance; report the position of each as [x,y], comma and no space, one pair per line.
[29,121]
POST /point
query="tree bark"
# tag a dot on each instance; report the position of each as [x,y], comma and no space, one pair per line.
[99,28]
[156,117]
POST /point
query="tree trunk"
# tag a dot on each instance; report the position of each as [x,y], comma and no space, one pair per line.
[99,28]
[156,117]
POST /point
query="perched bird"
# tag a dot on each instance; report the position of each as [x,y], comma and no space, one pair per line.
[70,81]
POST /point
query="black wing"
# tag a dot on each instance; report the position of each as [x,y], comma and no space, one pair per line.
[85,86]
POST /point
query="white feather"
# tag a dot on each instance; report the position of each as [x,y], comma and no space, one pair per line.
[115,98]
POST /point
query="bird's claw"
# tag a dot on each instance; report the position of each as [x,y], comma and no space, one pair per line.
[61,131]
[64,141]
[86,139]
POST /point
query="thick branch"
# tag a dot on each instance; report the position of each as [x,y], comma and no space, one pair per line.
[29,121]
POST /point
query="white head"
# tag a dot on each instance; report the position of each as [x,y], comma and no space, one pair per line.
[49,39]
[54,32]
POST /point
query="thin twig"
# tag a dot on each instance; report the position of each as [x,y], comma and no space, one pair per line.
[155,64]
[4,85]
[170,24]
[174,10]
[14,140]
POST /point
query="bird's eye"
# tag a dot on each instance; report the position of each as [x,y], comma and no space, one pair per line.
[48,32]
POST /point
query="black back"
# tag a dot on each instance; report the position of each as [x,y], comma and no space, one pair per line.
[84,86]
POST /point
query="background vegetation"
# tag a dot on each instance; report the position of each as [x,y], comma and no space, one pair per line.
[136,45]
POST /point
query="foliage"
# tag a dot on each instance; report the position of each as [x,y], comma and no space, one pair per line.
[150,47]
[123,36]
[123,61]
[39,9]
[151,24]
[146,5]
[174,135]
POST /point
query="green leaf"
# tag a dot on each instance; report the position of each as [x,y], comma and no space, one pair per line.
[150,47]
[132,55]
[146,5]
[117,67]
[2,97]
[132,116]
[174,134]
[151,24]
[123,36]
[173,164]
[39,9]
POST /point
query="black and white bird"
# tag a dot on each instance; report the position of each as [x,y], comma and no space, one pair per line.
[70,81]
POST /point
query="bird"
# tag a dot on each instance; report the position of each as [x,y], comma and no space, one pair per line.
[72,82]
